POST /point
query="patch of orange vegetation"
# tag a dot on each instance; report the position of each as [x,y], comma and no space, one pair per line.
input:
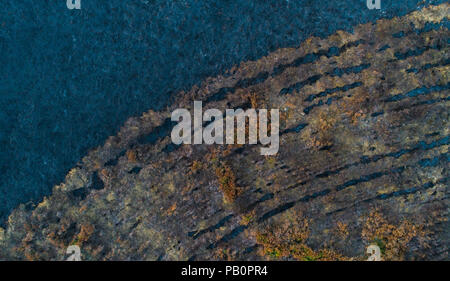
[393,240]
[104,173]
[288,240]
[354,106]
[227,182]
[131,156]
[342,230]
[253,100]
[84,234]
[324,135]
[172,209]
[196,166]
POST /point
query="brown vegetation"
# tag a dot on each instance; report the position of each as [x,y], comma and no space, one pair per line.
[392,240]
[227,182]
[288,241]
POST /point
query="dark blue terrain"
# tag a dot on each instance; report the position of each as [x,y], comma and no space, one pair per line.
[70,78]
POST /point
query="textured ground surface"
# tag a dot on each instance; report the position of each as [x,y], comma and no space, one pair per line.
[69,79]
[363,159]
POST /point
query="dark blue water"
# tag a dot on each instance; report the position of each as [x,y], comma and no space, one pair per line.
[70,78]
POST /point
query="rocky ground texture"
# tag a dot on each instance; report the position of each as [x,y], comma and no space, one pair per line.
[363,160]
